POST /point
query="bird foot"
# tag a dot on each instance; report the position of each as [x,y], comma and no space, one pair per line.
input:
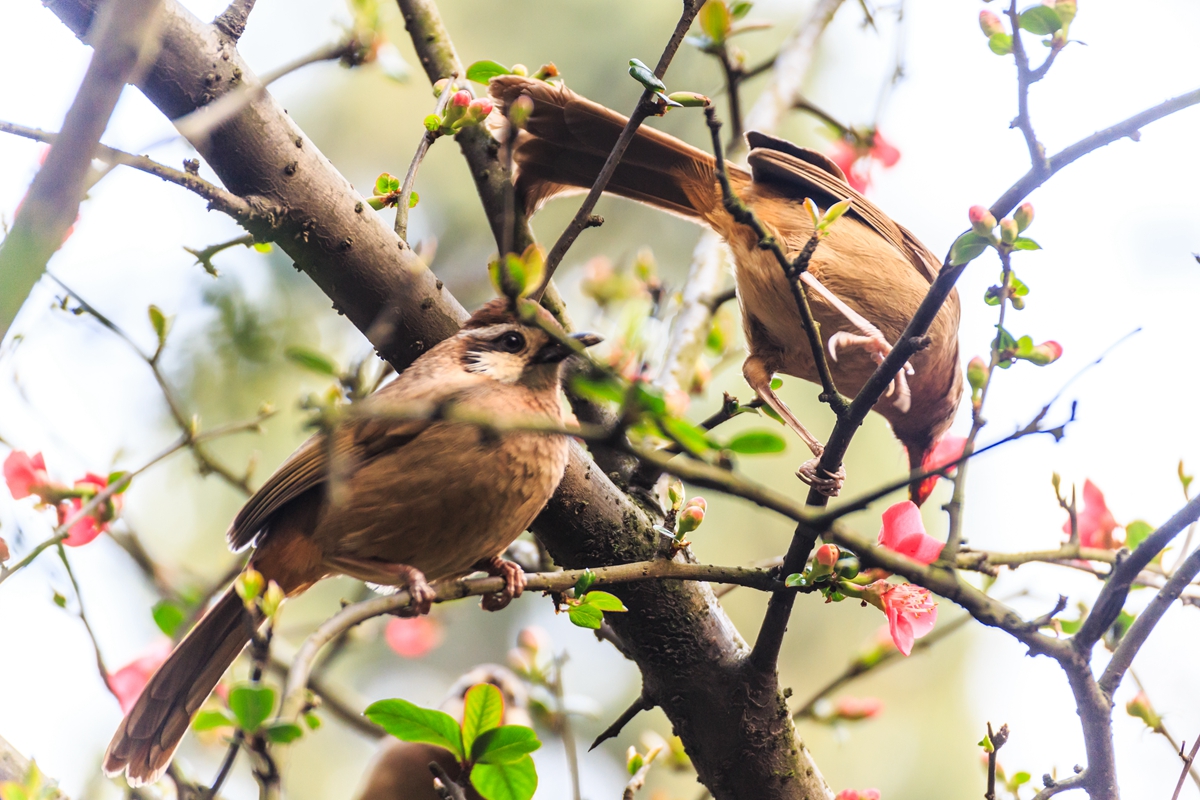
[878,348]
[514,582]
[826,482]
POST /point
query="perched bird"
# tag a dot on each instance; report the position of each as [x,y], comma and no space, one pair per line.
[387,498]
[864,281]
[400,770]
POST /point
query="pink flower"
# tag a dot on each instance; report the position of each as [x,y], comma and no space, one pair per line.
[910,609]
[827,555]
[855,708]
[24,474]
[127,682]
[855,151]
[853,794]
[95,523]
[947,450]
[412,637]
[903,532]
[1096,522]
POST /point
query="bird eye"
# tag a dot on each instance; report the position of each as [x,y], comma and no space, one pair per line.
[511,342]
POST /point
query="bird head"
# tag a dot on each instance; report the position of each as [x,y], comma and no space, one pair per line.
[499,344]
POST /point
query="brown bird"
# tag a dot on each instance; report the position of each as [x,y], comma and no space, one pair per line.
[400,770]
[864,281]
[389,500]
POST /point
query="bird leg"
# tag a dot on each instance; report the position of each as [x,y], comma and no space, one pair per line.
[514,581]
[871,339]
[384,573]
[758,375]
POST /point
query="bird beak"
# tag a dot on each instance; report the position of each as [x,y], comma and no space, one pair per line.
[554,352]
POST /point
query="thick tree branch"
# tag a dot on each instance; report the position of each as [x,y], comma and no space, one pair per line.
[123,35]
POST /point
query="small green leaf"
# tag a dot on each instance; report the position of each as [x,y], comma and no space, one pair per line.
[715,19]
[312,721]
[1020,778]
[1136,533]
[413,199]
[836,210]
[211,719]
[795,580]
[1070,626]
[753,442]
[161,324]
[384,180]
[776,383]
[376,203]
[251,704]
[585,582]
[1025,243]
[433,124]
[119,475]
[687,435]
[604,601]
[649,398]
[168,616]
[986,744]
[1040,20]
[60,599]
[263,247]
[1000,43]
[484,71]
[393,184]
[586,616]
[515,781]
[283,732]
[311,360]
[636,762]
[483,710]
[504,745]
[645,76]
[772,413]
[966,248]
[411,723]
[598,389]
[1017,287]
[740,8]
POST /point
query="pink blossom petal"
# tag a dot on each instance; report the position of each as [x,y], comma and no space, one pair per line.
[82,532]
[904,532]
[412,637]
[128,682]
[22,473]
[883,151]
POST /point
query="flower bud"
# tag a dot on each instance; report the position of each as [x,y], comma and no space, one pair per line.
[459,103]
[676,493]
[1140,707]
[847,566]
[520,110]
[272,599]
[1008,230]
[533,638]
[689,99]
[1023,216]
[982,220]
[689,519]
[990,24]
[519,69]
[856,708]
[477,111]
[1045,353]
[827,554]
[440,86]
[249,586]
[977,374]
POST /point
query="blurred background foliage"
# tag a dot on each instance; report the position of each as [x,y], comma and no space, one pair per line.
[76,391]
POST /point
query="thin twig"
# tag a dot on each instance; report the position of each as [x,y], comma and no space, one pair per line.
[410,178]
[1188,760]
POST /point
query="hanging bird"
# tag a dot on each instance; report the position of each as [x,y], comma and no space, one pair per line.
[864,281]
[386,499]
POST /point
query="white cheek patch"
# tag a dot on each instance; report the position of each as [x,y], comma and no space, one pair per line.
[502,367]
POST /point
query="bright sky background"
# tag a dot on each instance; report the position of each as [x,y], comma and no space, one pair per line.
[1118,230]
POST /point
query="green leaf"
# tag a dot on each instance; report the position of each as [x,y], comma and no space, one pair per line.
[649,398]
[739,9]
[504,745]
[120,475]
[393,184]
[986,744]
[966,248]
[312,721]
[515,781]
[604,601]
[376,203]
[1136,533]
[715,19]
[311,360]
[586,616]
[772,413]
[283,732]
[433,124]
[411,723]
[1070,626]
[1000,43]
[795,580]
[752,442]
[1020,778]
[384,180]
[1040,20]
[834,212]
[645,76]
[482,711]
[1017,287]
[598,389]
[484,71]
[168,616]
[776,383]
[1025,243]
[635,763]
[251,704]
[689,437]
[60,599]
[584,583]
[161,323]
[413,199]
[262,247]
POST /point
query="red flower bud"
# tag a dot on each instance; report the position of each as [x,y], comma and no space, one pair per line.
[827,555]
[982,221]
[1140,707]
[1024,216]
[462,99]
[1045,353]
[990,24]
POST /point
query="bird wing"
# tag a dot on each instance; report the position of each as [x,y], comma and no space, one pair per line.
[775,161]
[360,441]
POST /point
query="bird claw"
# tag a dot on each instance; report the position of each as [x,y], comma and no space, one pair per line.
[878,348]
[826,482]
[514,582]
[421,595]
